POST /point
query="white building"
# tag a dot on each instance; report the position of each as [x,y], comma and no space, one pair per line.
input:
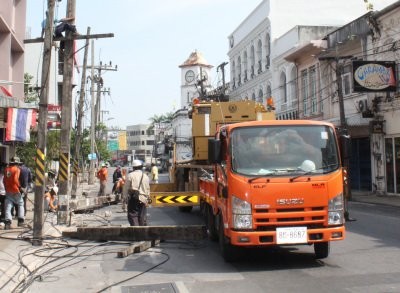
[252,45]
[195,82]
[305,69]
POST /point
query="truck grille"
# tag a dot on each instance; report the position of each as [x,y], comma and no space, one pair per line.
[269,219]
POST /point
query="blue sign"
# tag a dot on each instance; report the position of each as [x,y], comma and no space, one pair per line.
[92,156]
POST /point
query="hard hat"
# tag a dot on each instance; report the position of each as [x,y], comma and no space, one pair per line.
[137,163]
[55,189]
[15,160]
[307,166]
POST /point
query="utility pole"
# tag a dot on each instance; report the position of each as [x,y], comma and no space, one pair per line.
[78,138]
[42,128]
[100,83]
[66,110]
[96,110]
[92,121]
[222,66]
[344,131]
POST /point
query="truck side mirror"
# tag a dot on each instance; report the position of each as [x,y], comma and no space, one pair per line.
[214,151]
[345,146]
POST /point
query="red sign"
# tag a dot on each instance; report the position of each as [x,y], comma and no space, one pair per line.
[54,108]
[53,125]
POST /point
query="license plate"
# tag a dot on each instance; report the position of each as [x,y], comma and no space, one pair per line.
[291,235]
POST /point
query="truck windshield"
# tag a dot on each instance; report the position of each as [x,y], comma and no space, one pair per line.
[283,150]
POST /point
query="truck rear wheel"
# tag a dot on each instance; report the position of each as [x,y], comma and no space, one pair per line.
[229,252]
[321,249]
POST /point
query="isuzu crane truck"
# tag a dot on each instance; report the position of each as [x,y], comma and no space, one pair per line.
[262,182]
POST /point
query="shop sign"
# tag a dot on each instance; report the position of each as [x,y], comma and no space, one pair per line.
[374,76]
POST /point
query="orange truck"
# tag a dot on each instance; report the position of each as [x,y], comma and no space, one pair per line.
[264,182]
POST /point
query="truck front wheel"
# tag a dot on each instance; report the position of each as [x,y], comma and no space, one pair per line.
[229,252]
[321,249]
[211,225]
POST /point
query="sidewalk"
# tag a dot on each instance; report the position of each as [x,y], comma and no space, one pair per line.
[369,197]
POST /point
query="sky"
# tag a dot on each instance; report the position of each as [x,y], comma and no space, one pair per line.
[151,39]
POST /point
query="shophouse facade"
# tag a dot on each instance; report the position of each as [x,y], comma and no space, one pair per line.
[384,45]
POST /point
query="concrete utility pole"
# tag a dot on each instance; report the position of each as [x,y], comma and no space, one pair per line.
[42,129]
[100,83]
[78,137]
[92,120]
[66,110]
[344,131]
[222,66]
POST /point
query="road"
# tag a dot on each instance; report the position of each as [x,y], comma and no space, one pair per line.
[367,261]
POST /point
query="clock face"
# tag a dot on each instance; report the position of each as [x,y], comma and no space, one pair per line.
[189,76]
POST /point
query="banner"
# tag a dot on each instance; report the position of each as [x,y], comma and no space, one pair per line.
[19,122]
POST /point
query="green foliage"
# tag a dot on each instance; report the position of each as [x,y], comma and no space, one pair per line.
[156,120]
[27,151]
[30,94]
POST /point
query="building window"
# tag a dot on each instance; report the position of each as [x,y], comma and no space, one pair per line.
[346,80]
[313,89]
[282,86]
[304,91]
[260,96]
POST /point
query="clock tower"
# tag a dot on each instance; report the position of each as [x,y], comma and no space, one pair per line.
[195,76]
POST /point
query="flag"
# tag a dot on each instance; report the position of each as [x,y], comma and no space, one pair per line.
[19,122]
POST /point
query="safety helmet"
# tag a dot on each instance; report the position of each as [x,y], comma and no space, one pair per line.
[137,163]
[15,160]
[55,189]
[307,166]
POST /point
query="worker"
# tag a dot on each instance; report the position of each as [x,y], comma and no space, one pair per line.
[137,190]
[13,194]
[50,200]
[116,176]
[25,181]
[50,179]
[154,173]
[102,174]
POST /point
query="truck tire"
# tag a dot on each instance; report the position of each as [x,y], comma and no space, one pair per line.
[229,252]
[211,225]
[180,177]
[321,249]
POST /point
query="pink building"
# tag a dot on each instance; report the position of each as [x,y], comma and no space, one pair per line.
[12,34]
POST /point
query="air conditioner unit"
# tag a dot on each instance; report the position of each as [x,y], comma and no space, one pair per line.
[363,105]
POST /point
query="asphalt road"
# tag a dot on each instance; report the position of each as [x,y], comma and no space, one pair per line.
[366,261]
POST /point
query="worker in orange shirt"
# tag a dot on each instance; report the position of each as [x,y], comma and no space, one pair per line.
[13,192]
[102,174]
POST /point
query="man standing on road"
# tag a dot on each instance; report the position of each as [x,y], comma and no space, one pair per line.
[137,190]
[102,174]
[154,173]
[13,195]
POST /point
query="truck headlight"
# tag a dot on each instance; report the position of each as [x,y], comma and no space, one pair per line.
[336,210]
[241,211]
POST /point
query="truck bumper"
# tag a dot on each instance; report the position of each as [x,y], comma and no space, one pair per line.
[265,238]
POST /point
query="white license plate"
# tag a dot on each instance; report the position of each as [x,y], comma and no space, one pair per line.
[291,235]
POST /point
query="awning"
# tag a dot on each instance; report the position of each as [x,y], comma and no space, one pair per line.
[352,120]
